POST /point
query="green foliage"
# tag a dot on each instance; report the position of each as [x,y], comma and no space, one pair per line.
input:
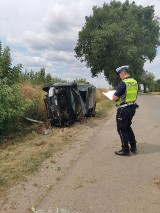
[5,63]
[118,34]
[157,86]
[11,75]
[81,80]
[16,74]
[38,78]
[12,108]
[147,79]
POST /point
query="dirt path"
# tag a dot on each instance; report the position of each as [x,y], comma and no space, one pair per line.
[92,178]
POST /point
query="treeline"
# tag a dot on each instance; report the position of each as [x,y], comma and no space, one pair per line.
[148,82]
[21,93]
[157,86]
[17,75]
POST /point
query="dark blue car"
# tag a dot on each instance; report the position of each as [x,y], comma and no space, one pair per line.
[66,102]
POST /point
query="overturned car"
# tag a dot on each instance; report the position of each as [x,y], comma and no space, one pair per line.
[66,102]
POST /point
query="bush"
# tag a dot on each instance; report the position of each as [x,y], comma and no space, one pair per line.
[12,108]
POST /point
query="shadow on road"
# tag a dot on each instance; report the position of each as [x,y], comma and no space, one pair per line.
[146,148]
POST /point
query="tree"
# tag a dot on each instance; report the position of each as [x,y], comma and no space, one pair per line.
[0,60]
[41,76]
[118,34]
[48,78]
[157,86]
[5,63]
[12,108]
[11,75]
[0,48]
[16,74]
[81,80]
[147,80]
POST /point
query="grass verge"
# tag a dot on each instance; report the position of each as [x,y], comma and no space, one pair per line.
[24,155]
[155,93]
[103,108]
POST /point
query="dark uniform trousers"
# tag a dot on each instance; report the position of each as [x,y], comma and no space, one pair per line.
[124,120]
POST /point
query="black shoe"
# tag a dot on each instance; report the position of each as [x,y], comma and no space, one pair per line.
[122,152]
[133,150]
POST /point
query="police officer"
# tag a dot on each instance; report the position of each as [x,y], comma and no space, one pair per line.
[125,97]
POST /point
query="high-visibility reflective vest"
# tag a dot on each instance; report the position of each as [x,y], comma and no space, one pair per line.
[131,92]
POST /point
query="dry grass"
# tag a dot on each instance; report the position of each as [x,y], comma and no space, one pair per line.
[99,96]
[36,94]
[103,104]
[103,108]
[30,91]
[24,155]
[155,93]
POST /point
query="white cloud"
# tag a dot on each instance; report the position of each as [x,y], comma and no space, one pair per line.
[31,61]
[44,34]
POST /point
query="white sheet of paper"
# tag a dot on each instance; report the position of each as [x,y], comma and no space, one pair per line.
[109,94]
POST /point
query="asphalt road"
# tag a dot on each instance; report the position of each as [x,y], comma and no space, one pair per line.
[102,182]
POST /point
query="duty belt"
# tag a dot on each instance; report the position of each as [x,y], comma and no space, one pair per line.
[127,104]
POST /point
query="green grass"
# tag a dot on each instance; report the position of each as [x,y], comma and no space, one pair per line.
[104,107]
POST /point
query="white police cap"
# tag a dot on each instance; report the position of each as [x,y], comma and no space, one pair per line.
[122,68]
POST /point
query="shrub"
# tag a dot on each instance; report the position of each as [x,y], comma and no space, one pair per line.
[12,108]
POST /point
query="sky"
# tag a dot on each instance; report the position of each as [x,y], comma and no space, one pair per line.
[44,34]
